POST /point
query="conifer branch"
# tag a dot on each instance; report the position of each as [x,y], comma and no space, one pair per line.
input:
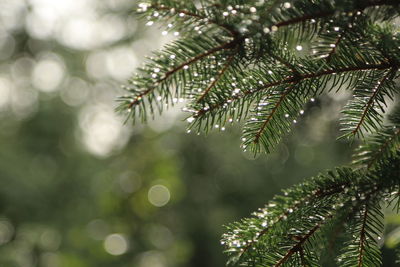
[371,101]
[340,37]
[328,13]
[305,18]
[319,193]
[271,114]
[196,16]
[296,247]
[215,81]
[257,74]
[286,63]
[383,147]
[302,258]
[293,79]
[362,237]
[227,45]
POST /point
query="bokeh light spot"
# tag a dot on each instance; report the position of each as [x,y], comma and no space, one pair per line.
[116,244]
[159,195]
[6,231]
[102,130]
[47,75]
[5,92]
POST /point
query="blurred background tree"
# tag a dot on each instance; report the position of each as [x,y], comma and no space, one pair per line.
[80,188]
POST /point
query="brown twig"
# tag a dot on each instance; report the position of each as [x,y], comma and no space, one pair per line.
[362,237]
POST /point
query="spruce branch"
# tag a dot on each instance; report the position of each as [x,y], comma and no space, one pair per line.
[201,18]
[215,80]
[380,146]
[240,60]
[293,79]
[346,187]
[233,102]
[362,111]
[223,46]
[341,36]
[362,237]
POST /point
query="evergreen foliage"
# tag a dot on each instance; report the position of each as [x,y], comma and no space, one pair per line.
[261,62]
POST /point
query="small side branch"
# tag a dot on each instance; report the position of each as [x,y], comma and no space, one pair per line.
[318,194]
[219,76]
[224,46]
[382,148]
[370,102]
[270,116]
[290,79]
[361,246]
[298,246]
[285,63]
[195,16]
[340,37]
[328,13]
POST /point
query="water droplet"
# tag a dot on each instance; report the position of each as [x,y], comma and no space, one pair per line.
[225,14]
[336,29]
[266,30]
[176,33]
[190,119]
[149,23]
[181,15]
[301,112]
[185,67]
[143,6]
[287,5]
[299,48]
[286,115]
[274,28]
[172,56]
[253,9]
[164,33]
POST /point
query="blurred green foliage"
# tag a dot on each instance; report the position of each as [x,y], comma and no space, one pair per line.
[66,201]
